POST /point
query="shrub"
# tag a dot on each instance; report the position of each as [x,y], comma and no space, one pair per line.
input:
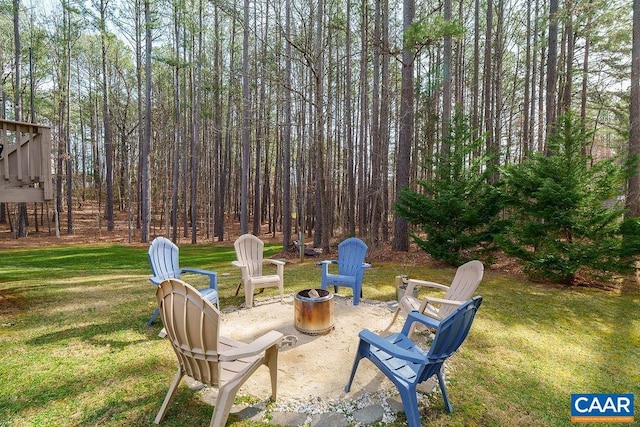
[565,211]
[457,209]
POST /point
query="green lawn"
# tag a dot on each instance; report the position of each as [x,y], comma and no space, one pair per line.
[75,350]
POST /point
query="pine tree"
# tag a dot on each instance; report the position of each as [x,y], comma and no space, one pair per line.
[565,213]
[457,210]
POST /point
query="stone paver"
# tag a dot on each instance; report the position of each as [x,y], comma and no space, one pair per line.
[332,419]
[369,414]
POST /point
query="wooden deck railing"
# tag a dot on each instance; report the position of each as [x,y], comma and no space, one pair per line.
[25,162]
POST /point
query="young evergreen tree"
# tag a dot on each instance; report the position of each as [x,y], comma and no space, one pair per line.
[565,212]
[457,210]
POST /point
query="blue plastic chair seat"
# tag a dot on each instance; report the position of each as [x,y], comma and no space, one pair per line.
[406,364]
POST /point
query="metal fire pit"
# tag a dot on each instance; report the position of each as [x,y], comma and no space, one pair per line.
[313,316]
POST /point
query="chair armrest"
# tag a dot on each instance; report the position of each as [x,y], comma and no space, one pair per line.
[253,348]
[213,276]
[279,265]
[444,301]
[241,265]
[325,265]
[156,280]
[412,283]
[366,265]
[392,349]
[415,316]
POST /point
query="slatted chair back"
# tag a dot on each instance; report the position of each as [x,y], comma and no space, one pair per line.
[163,257]
[250,251]
[192,325]
[351,256]
[464,284]
[351,267]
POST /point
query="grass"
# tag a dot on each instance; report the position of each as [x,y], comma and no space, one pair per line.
[76,351]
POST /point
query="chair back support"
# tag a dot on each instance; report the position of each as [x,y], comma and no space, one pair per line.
[465,282]
[351,255]
[249,250]
[163,257]
[192,326]
[450,335]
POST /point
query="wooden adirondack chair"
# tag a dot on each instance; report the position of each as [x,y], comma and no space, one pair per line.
[406,364]
[250,254]
[163,257]
[351,268]
[465,282]
[192,325]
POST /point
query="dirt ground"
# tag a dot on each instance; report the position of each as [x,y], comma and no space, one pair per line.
[317,366]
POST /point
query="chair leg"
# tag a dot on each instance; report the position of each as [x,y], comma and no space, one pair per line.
[248,296]
[395,317]
[357,293]
[443,388]
[153,317]
[172,390]
[356,362]
[362,348]
[409,399]
[271,360]
[226,395]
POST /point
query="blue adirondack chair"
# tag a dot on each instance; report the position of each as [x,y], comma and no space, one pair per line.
[163,257]
[406,364]
[351,267]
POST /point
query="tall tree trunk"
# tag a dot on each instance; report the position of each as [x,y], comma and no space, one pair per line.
[286,148]
[22,207]
[526,135]
[446,83]
[350,157]
[195,134]
[219,173]
[246,125]
[403,156]
[568,78]
[375,193]
[139,102]
[633,190]
[475,79]
[177,123]
[487,86]
[258,211]
[364,120]
[145,208]
[226,152]
[552,72]
[322,213]
[385,118]
[66,135]
[108,143]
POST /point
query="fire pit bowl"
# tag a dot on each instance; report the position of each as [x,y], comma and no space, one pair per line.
[313,315]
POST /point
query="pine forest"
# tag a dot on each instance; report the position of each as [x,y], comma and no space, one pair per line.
[305,116]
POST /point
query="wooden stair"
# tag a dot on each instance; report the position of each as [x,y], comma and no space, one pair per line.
[25,162]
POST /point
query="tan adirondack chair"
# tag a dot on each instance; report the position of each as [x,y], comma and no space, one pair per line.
[192,325]
[249,251]
[465,282]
